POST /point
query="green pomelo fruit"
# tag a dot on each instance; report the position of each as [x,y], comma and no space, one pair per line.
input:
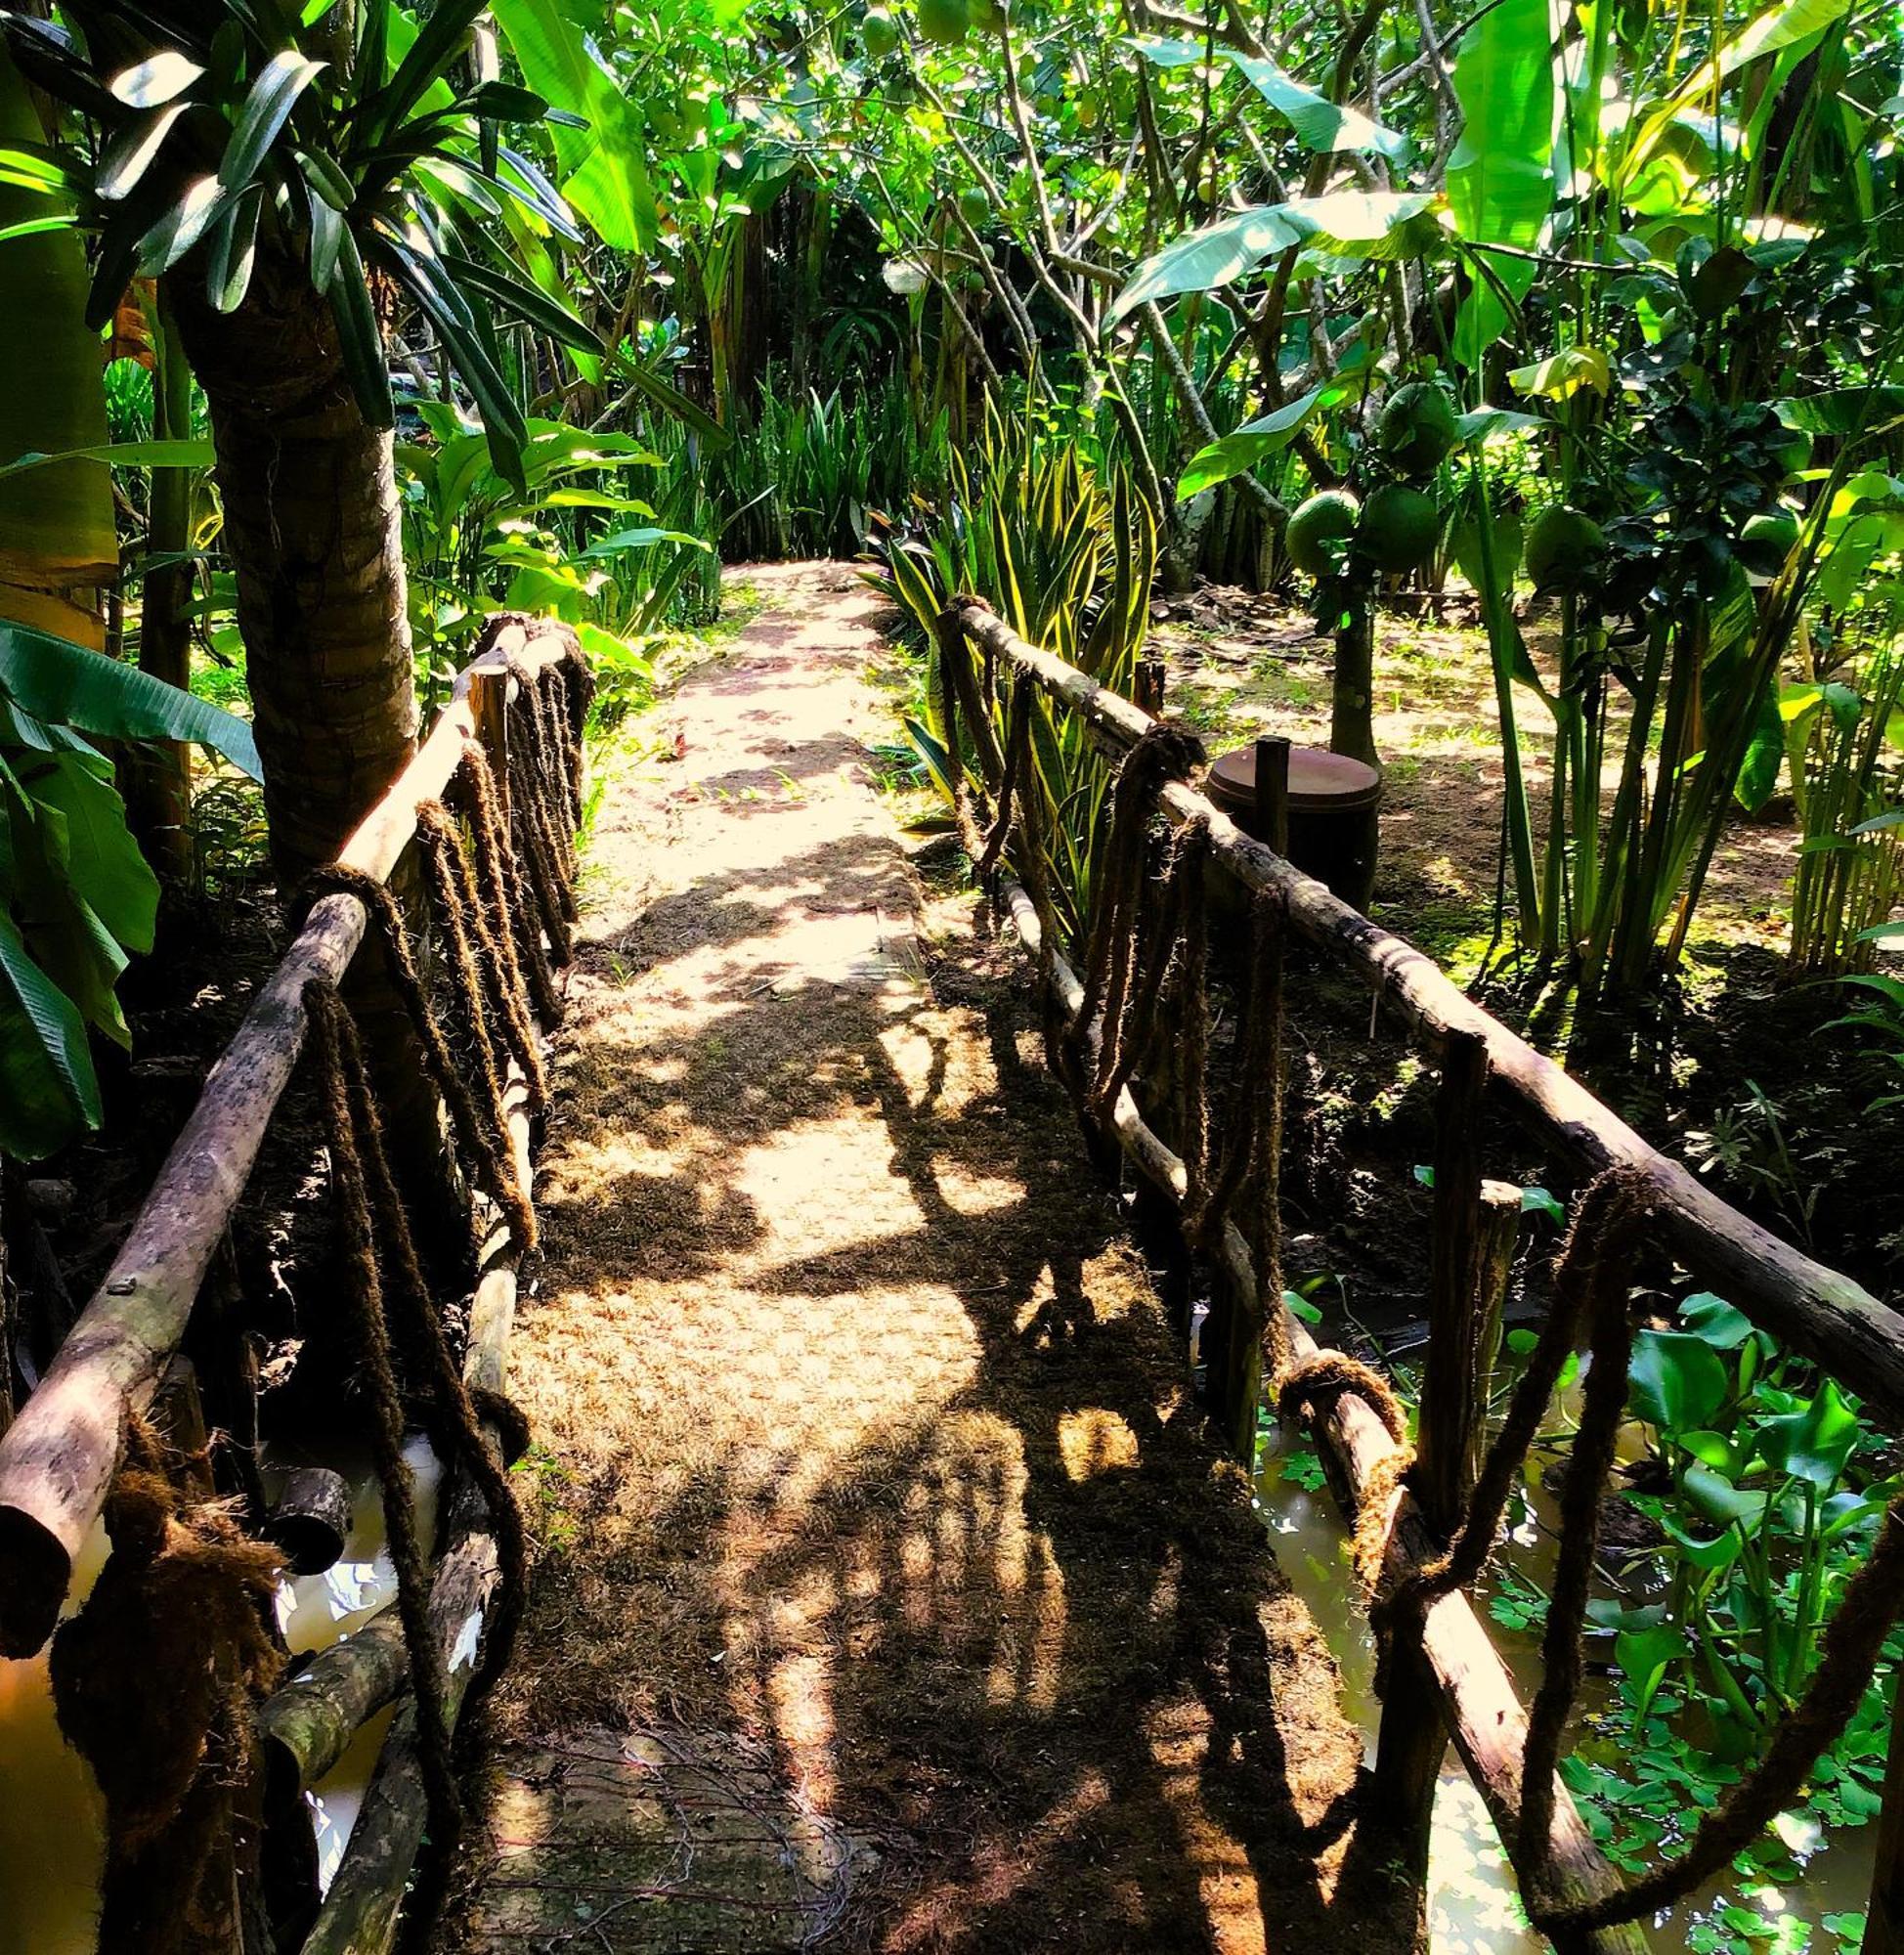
[1768,541]
[1792,449]
[1318,532]
[974,206]
[1565,550]
[1417,427]
[945,21]
[1398,527]
[879,32]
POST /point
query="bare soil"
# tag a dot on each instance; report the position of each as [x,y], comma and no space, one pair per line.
[868,1493]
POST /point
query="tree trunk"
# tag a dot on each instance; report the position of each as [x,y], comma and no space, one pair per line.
[312,528]
[311,521]
[157,777]
[1352,728]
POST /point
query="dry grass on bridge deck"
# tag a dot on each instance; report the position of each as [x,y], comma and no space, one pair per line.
[890,1593]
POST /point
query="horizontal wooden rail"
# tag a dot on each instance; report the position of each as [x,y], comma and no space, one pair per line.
[1482,1710]
[58,1457]
[1816,1310]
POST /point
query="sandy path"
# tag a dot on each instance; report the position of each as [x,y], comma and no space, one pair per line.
[889,1592]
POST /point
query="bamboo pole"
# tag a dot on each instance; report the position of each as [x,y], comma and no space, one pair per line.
[1819,1311]
[1484,1713]
[57,1458]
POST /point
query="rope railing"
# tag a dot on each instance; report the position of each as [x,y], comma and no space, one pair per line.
[1427,1519]
[492,798]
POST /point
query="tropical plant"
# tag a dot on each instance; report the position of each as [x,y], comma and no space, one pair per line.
[294,184]
[76,897]
[1069,565]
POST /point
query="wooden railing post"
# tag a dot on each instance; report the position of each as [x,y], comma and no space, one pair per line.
[1272,792]
[1884,1927]
[1413,1735]
[489,712]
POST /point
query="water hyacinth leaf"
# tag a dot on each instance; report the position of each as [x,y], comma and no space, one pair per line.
[1710,1317]
[1647,1656]
[1710,1557]
[1815,1444]
[1677,1381]
[1714,1496]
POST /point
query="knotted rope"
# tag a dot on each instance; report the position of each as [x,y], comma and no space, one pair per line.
[385,1283]
[1163,752]
[506,885]
[153,1684]
[490,981]
[484,1136]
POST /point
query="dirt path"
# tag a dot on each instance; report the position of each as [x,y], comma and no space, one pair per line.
[889,1593]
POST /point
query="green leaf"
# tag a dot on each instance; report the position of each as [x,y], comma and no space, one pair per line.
[428,60]
[501,101]
[1348,223]
[1243,448]
[232,248]
[1321,125]
[1676,1380]
[360,338]
[156,80]
[103,859]
[267,108]
[641,538]
[645,381]
[196,453]
[430,282]
[534,307]
[1815,1444]
[1716,1320]
[125,159]
[51,1090]
[66,684]
[180,227]
[151,83]
[327,179]
[603,164]
[1501,177]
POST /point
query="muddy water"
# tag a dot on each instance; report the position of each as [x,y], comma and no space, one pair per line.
[50,1817]
[1474,1906]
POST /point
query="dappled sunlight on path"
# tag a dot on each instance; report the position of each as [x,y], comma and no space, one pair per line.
[890,1593]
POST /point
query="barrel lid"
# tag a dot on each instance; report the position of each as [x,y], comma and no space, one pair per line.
[1319,782]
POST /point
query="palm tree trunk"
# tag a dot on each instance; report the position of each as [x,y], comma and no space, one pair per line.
[313,529]
[311,523]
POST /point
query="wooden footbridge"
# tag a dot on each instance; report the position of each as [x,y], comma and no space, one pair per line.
[167,1675]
